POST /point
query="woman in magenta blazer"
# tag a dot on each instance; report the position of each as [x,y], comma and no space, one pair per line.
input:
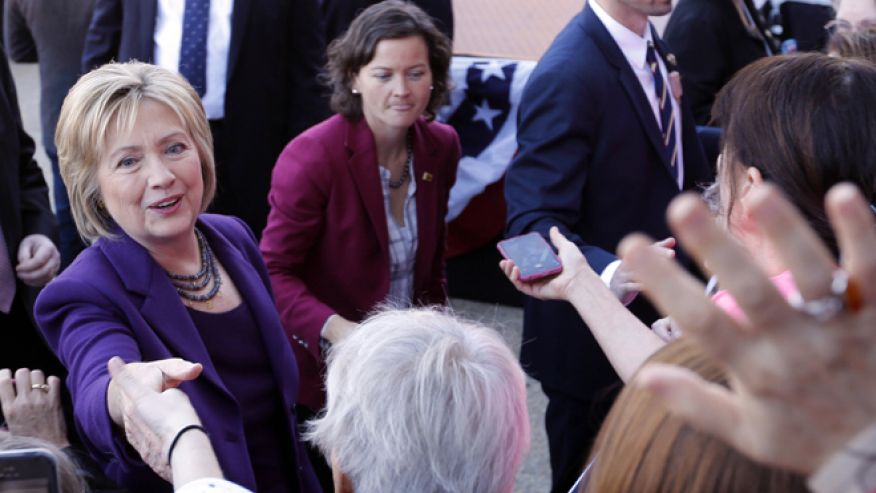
[358,201]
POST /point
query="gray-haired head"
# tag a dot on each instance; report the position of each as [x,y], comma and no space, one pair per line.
[420,400]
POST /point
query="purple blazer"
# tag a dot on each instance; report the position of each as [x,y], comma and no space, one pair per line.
[115,300]
[327,242]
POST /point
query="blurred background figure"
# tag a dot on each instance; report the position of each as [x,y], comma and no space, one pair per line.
[51,33]
[419,400]
[338,14]
[712,40]
[29,257]
[856,12]
[254,63]
[802,23]
[853,40]
[358,202]
[162,281]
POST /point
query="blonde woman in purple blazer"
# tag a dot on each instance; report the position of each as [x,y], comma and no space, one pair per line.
[182,296]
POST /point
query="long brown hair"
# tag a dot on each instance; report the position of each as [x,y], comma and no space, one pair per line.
[642,448]
[803,121]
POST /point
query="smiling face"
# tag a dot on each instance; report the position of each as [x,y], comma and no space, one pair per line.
[395,86]
[150,177]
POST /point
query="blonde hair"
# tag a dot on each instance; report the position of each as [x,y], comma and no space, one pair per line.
[112,94]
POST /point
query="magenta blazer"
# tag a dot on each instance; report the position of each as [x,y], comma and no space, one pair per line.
[114,300]
[326,242]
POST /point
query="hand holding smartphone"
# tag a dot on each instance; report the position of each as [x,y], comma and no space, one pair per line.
[532,255]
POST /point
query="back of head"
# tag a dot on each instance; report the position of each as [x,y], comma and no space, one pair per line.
[853,40]
[642,448]
[70,481]
[419,400]
[805,122]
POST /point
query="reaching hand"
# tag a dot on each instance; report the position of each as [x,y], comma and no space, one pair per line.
[32,405]
[151,417]
[622,283]
[38,260]
[800,387]
[557,287]
[158,375]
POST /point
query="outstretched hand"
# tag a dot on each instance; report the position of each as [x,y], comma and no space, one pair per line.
[800,388]
[557,287]
[158,375]
[151,415]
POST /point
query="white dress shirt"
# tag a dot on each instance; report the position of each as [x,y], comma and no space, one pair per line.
[168,40]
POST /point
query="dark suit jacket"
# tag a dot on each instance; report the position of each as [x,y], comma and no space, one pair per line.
[338,14]
[277,48]
[114,300]
[589,162]
[711,44]
[50,32]
[24,197]
[326,243]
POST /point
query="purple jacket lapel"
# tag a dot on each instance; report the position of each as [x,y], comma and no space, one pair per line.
[252,288]
[161,308]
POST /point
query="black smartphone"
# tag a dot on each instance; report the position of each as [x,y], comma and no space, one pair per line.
[532,255]
[28,471]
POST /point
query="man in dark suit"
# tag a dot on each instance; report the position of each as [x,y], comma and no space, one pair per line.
[713,39]
[259,84]
[605,142]
[51,33]
[28,255]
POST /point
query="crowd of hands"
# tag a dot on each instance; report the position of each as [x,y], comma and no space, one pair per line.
[801,388]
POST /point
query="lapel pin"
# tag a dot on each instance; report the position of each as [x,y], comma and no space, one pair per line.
[427,177]
[671,58]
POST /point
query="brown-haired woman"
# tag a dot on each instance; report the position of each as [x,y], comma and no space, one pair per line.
[358,201]
[643,448]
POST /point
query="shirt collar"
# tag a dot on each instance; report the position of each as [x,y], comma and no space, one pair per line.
[633,46]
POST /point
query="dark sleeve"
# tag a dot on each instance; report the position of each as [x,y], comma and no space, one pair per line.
[556,132]
[696,34]
[20,46]
[307,48]
[104,34]
[36,211]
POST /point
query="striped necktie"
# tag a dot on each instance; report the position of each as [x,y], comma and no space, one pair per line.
[193,49]
[667,116]
[7,277]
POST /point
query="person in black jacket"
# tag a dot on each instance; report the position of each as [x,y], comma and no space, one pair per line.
[713,39]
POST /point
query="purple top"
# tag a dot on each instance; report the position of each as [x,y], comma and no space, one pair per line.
[238,353]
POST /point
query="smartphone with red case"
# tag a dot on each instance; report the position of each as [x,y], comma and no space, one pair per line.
[532,255]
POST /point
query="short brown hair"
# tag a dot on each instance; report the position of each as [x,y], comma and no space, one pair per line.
[112,94]
[642,447]
[802,121]
[390,19]
[853,41]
